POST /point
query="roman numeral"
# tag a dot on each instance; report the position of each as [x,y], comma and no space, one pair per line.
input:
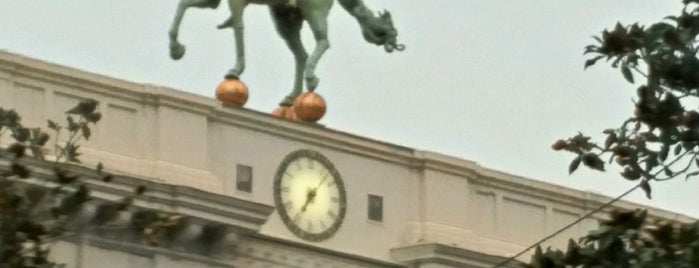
[332,215]
[331,183]
[310,226]
[297,218]
[297,165]
[285,189]
[322,225]
[334,199]
[288,205]
[310,164]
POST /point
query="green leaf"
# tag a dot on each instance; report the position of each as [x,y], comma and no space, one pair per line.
[574,164]
[17,149]
[626,72]
[53,125]
[592,61]
[94,117]
[646,188]
[86,131]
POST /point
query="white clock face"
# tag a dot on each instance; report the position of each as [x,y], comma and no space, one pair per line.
[309,195]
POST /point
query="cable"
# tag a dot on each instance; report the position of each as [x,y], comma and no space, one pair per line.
[508,260]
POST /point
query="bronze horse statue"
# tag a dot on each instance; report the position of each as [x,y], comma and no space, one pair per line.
[288,16]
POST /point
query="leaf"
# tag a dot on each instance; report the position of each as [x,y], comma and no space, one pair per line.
[86,131]
[72,125]
[678,149]
[94,117]
[593,161]
[626,72]
[646,188]
[20,134]
[53,125]
[611,139]
[574,164]
[664,150]
[592,61]
[17,149]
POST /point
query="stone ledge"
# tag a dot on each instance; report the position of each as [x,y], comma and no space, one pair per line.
[448,256]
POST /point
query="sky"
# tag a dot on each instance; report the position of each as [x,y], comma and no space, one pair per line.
[496,82]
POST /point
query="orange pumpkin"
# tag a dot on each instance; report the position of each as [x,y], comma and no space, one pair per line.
[232,92]
[309,107]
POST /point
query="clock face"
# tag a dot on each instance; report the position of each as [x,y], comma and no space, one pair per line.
[309,195]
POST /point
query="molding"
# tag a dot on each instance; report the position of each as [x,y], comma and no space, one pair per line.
[200,206]
[446,255]
[281,245]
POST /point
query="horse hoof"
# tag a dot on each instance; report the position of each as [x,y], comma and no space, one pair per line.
[312,83]
[177,51]
[234,73]
[288,101]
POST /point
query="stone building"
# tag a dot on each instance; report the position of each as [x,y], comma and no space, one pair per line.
[376,204]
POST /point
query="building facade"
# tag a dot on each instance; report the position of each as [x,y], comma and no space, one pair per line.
[217,166]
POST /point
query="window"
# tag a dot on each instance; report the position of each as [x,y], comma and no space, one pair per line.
[243,180]
[375,207]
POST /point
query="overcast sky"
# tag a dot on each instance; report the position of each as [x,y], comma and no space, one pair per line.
[494,82]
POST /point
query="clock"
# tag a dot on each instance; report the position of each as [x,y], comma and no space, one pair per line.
[309,195]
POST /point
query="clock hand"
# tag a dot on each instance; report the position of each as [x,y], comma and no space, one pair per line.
[311,195]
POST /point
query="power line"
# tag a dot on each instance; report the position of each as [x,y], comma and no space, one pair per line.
[508,260]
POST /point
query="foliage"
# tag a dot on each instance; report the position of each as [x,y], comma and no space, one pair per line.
[34,214]
[627,239]
[660,141]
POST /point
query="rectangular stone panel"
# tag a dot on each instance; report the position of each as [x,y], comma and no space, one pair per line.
[559,219]
[29,102]
[481,212]
[5,90]
[121,128]
[522,222]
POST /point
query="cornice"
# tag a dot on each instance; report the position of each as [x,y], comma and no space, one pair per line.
[444,254]
[200,206]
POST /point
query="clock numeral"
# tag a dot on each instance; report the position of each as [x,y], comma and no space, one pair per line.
[297,218]
[324,173]
[331,183]
[310,163]
[310,226]
[297,165]
[332,215]
[288,175]
[334,199]
[288,205]
[285,189]
[322,225]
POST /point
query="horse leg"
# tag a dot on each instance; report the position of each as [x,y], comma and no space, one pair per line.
[237,7]
[288,21]
[319,26]
[176,49]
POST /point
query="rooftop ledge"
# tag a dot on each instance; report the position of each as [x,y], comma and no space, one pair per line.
[309,133]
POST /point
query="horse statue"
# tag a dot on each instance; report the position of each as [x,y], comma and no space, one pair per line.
[288,16]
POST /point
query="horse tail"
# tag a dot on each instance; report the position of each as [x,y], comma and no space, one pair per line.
[378,30]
